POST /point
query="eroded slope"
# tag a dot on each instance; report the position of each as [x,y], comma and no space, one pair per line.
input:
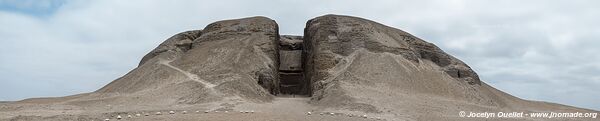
[360,65]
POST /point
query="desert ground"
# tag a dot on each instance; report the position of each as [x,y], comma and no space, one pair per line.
[284,108]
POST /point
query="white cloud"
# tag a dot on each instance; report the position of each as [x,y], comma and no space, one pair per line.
[527,48]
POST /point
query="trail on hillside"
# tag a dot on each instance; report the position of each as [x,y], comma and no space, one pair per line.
[191,76]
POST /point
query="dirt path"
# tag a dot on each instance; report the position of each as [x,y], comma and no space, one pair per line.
[188,74]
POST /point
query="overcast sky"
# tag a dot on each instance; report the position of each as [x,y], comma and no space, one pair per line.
[536,49]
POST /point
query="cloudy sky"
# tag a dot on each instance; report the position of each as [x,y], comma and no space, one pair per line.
[537,49]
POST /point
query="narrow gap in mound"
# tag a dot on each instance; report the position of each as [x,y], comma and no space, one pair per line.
[291,74]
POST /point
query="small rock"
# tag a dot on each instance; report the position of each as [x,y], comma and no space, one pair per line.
[308,113]
[197,111]
[129,116]
[171,112]
[119,117]
[106,119]
[158,113]
[252,111]
[184,112]
[332,113]
[226,111]
[205,111]
[146,114]
[138,115]
[364,116]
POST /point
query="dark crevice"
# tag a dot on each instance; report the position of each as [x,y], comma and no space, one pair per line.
[291,73]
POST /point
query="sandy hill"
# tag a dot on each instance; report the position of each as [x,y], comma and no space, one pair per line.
[342,68]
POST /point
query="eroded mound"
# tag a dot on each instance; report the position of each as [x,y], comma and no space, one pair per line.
[348,66]
[356,64]
[231,58]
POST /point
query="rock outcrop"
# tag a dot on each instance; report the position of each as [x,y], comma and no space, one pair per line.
[359,65]
[343,53]
[179,43]
[227,58]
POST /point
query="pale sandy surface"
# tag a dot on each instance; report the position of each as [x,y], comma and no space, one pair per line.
[281,109]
